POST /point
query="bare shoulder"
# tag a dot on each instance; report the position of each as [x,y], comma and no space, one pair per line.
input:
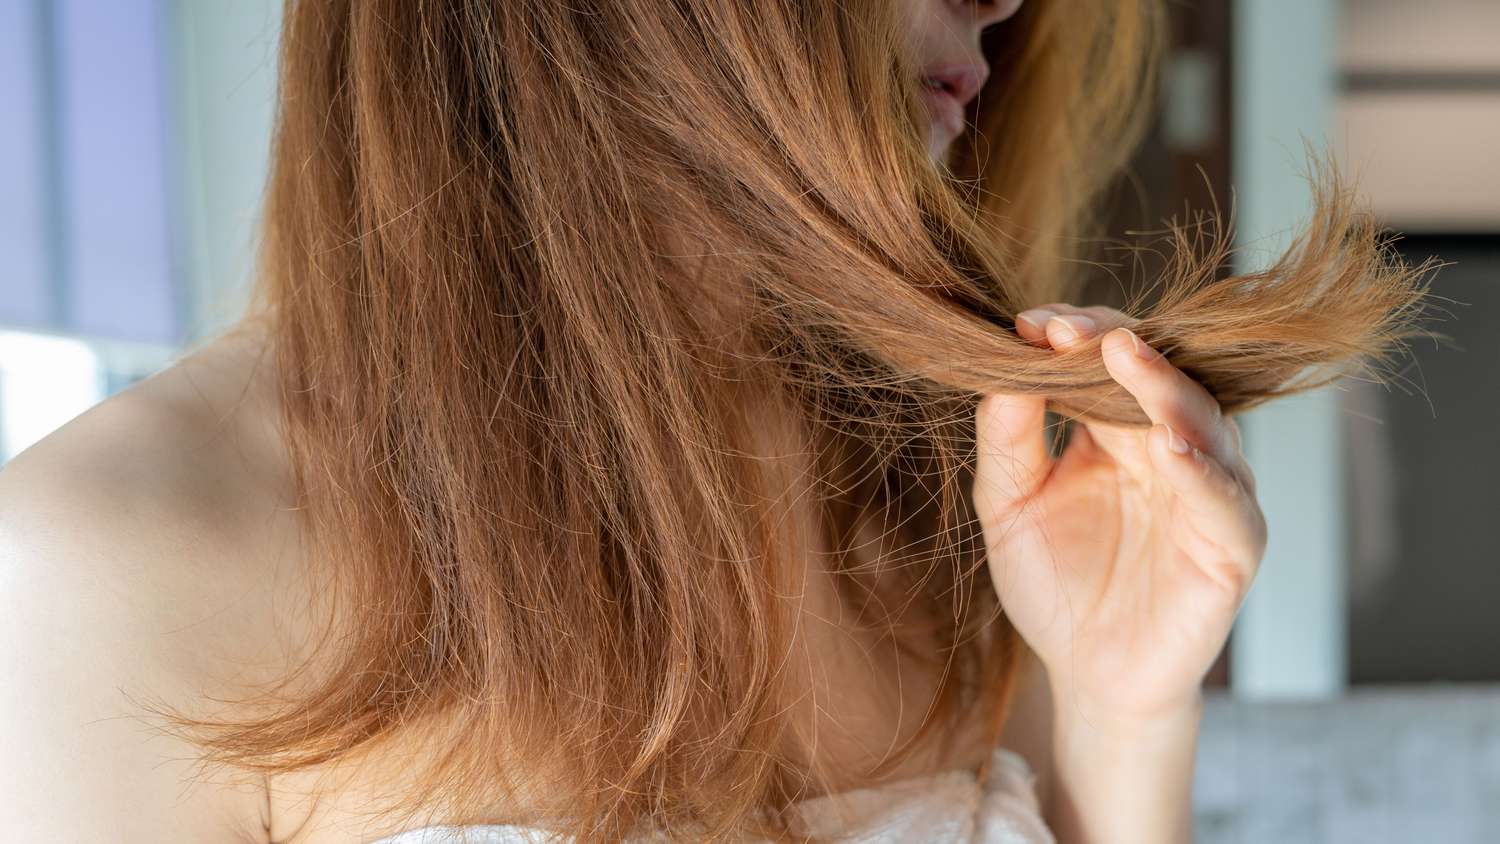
[143,547]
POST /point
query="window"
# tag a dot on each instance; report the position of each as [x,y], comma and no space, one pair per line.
[90,299]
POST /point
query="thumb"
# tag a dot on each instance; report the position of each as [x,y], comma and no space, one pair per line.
[1011,440]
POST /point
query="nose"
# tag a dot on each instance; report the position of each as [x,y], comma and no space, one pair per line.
[986,12]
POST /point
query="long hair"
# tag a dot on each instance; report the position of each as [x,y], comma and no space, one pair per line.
[537,274]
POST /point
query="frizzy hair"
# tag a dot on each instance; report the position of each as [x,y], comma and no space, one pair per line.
[534,269]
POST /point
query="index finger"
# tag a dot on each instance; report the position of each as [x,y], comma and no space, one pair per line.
[1168,396]
[1063,326]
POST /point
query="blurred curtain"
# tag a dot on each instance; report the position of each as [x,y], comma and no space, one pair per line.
[86,216]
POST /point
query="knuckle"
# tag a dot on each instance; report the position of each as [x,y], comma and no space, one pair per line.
[1247,477]
[1211,411]
[1228,484]
[1259,533]
[1220,479]
[1237,577]
[1232,433]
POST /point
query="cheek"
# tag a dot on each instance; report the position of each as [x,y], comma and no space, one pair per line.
[924,25]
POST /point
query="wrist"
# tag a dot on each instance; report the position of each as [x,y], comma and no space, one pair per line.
[1129,713]
[1084,725]
[1123,776]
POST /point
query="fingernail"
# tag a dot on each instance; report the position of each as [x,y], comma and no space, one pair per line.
[1073,326]
[1175,441]
[1142,350]
[1036,317]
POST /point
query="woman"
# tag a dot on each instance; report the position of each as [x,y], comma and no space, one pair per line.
[641,428]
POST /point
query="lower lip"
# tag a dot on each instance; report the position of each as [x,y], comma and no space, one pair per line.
[945,110]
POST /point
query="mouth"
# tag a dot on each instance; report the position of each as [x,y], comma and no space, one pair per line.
[948,91]
[943,105]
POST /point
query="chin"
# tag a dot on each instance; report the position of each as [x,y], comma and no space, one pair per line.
[939,144]
[938,149]
[938,152]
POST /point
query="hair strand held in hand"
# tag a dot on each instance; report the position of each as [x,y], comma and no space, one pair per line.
[534,268]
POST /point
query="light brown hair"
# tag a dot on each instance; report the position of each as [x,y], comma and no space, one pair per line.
[528,264]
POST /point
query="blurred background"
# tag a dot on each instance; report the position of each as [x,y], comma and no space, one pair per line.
[1359,698]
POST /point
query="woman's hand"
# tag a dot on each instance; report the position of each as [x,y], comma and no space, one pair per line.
[1122,562]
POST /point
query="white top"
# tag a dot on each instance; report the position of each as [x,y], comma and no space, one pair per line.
[949,807]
